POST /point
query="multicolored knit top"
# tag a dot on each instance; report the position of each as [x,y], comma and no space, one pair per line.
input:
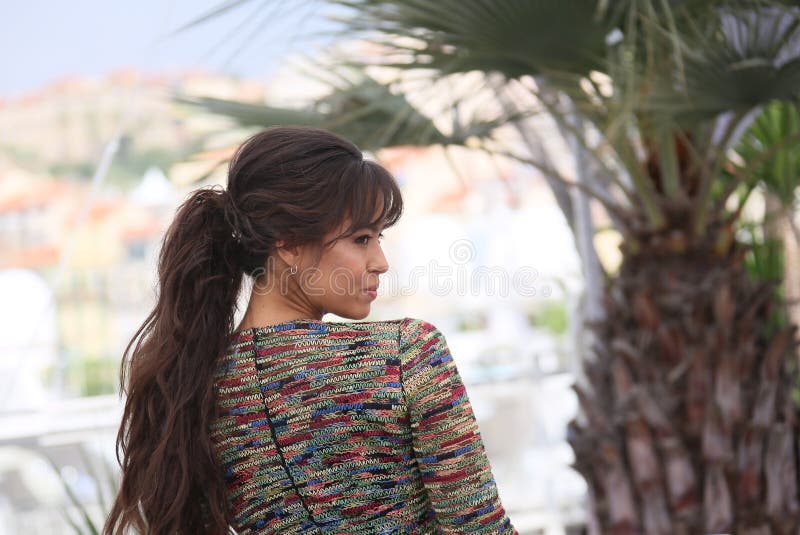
[351,428]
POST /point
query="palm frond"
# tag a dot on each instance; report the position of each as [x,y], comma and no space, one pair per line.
[214,13]
[780,174]
[739,59]
[248,114]
[362,109]
[514,37]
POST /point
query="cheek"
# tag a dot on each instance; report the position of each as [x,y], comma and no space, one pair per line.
[340,272]
[350,259]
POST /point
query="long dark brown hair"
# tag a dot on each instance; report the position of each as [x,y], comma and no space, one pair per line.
[286,183]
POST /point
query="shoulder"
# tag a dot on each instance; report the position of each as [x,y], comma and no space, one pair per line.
[414,329]
[421,343]
[406,326]
[425,358]
[408,332]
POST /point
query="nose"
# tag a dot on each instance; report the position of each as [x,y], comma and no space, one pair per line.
[378,263]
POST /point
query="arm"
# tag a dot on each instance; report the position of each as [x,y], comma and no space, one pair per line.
[446,440]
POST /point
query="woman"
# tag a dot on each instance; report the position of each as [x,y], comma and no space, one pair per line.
[286,424]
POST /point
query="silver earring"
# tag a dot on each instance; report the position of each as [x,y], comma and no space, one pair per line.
[293,269]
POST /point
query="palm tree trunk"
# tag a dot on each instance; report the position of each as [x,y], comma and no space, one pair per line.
[689,422]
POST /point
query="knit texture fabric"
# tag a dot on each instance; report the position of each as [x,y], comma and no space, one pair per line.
[350,428]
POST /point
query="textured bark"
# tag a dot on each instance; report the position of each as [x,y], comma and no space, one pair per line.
[689,425]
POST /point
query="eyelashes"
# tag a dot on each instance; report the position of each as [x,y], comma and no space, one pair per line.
[364,238]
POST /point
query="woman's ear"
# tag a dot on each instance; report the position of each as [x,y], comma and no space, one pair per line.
[289,254]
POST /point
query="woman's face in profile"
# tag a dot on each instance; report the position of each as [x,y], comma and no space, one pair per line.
[344,281]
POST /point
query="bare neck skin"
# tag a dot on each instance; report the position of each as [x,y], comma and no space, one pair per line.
[277,306]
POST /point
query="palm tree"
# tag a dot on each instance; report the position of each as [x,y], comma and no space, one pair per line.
[687,423]
[777,179]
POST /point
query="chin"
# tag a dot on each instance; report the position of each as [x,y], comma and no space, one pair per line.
[360,315]
[354,314]
[355,309]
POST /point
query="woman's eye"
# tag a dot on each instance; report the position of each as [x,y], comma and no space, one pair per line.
[364,239]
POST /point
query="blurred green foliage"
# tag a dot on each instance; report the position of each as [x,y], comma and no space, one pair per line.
[552,316]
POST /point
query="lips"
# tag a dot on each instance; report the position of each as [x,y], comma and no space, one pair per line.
[372,292]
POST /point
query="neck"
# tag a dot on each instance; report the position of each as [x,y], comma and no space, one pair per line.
[270,308]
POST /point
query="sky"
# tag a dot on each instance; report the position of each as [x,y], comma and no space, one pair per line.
[42,41]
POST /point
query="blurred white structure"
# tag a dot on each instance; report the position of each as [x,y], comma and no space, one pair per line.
[28,339]
[154,190]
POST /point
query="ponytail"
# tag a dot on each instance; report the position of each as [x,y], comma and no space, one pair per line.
[171,483]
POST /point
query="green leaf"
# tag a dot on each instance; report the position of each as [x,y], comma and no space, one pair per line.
[89,524]
[780,174]
[87,462]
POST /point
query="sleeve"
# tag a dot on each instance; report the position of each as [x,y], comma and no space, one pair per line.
[446,441]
